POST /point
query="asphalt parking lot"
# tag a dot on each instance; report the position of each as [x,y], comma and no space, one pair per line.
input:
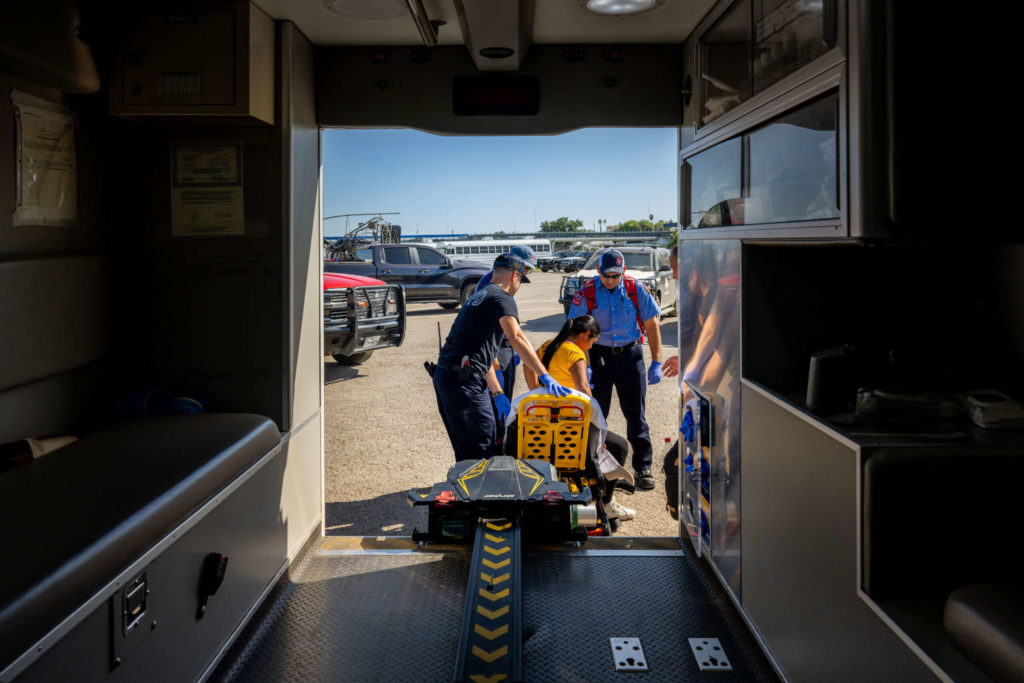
[383,434]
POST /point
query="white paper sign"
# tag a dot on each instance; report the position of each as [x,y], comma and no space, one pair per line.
[47,189]
[206,189]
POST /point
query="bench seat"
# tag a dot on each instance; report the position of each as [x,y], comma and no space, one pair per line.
[71,521]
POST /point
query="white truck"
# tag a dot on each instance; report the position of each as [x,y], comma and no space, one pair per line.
[649,265]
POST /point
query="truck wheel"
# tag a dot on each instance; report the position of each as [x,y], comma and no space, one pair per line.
[449,305]
[467,291]
[354,359]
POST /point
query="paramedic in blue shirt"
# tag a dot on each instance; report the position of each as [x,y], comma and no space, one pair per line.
[617,358]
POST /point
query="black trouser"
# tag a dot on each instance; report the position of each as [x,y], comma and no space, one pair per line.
[467,414]
[624,369]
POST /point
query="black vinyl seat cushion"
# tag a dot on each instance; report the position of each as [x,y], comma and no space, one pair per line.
[986,622]
[71,521]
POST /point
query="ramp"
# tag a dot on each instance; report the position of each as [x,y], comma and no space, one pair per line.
[383,610]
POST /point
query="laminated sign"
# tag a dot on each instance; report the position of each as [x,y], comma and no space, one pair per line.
[206,189]
[46,183]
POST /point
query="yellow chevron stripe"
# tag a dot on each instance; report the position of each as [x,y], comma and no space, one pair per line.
[496,551]
[495,539]
[490,656]
[497,565]
[497,579]
[500,612]
[485,577]
[480,678]
[494,596]
[491,635]
[499,527]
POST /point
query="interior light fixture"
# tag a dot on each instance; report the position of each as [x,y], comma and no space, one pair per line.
[619,7]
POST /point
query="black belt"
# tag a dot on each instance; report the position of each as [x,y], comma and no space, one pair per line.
[617,349]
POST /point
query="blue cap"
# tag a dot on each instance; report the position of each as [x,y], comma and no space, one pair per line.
[612,262]
[514,262]
[526,253]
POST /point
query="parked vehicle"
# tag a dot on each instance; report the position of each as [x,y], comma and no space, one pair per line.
[485,251]
[574,261]
[649,265]
[554,261]
[361,315]
[426,274]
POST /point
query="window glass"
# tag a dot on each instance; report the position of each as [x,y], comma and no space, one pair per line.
[791,166]
[757,43]
[430,257]
[397,255]
[787,35]
[725,52]
[716,183]
[474,250]
[364,255]
[662,259]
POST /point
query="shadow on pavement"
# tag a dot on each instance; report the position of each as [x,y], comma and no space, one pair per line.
[336,372]
[433,310]
[386,515]
[549,323]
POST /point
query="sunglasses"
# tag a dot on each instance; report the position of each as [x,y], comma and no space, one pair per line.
[612,276]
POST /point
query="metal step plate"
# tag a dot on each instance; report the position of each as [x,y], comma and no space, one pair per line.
[628,654]
[709,654]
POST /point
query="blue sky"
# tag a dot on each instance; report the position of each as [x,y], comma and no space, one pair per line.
[444,184]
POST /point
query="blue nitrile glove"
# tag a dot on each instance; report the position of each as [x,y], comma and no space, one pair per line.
[686,429]
[515,358]
[502,405]
[654,373]
[501,378]
[553,387]
[590,377]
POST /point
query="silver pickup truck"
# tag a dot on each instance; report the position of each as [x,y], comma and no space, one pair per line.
[649,265]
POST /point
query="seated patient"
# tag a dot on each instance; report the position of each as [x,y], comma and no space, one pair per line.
[565,358]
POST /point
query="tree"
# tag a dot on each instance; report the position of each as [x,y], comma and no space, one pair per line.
[642,225]
[562,224]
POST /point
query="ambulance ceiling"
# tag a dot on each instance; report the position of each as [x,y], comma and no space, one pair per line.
[497,33]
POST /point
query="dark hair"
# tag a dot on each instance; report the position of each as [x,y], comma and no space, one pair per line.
[572,327]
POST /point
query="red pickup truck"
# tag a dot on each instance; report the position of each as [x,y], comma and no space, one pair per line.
[361,314]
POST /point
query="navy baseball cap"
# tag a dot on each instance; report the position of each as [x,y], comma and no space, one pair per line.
[514,262]
[612,262]
[526,253]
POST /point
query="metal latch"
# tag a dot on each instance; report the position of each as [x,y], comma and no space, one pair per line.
[134,603]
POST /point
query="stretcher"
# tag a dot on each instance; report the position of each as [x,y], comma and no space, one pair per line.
[549,490]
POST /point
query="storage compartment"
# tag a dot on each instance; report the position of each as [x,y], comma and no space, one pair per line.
[784,171]
[228,73]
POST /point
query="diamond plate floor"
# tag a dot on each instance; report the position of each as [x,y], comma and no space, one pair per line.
[397,618]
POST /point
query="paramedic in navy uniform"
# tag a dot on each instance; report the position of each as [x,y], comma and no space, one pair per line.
[464,380]
[617,358]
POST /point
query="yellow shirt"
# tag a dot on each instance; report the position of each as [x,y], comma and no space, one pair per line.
[563,360]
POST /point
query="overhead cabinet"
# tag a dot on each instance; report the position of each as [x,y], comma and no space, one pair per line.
[227,72]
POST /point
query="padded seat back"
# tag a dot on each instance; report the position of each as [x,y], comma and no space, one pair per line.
[554,429]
